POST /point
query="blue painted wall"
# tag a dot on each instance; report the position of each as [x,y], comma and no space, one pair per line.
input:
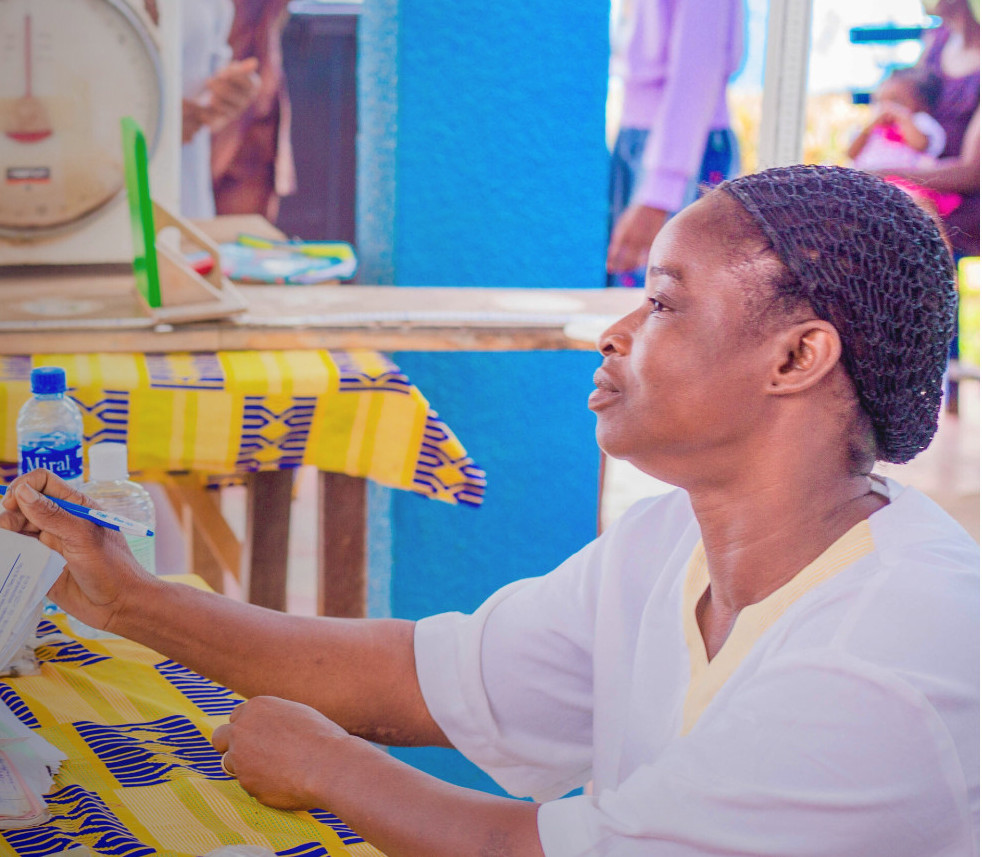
[502,165]
[524,415]
[482,163]
[481,151]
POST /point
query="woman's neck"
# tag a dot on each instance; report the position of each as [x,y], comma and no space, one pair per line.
[960,54]
[758,537]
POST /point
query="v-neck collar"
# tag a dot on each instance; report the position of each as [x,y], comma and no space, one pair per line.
[707,677]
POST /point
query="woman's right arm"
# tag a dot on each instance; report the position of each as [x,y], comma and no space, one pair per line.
[959,174]
[361,673]
[951,175]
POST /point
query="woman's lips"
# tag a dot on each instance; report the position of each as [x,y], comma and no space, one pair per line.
[605,393]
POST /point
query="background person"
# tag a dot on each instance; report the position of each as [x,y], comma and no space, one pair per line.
[779,658]
[903,134]
[952,52]
[252,157]
[216,91]
[674,130]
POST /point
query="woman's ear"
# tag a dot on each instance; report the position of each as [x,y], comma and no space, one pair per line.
[805,353]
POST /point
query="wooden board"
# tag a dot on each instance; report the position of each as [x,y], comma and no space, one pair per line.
[99,297]
[83,309]
[171,288]
[69,297]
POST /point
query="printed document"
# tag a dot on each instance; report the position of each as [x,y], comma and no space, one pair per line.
[27,762]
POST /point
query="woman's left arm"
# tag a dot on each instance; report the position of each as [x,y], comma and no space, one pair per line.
[291,757]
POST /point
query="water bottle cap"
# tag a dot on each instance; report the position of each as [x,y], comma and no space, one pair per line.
[46,380]
[107,462]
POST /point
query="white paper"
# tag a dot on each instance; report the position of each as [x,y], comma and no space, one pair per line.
[36,759]
[17,800]
[28,763]
[28,570]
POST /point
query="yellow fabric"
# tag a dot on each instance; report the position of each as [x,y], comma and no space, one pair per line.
[141,777]
[707,677]
[968,311]
[228,412]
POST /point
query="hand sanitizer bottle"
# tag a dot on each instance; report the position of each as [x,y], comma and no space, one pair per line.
[110,487]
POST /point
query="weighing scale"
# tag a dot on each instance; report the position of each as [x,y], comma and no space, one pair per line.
[69,71]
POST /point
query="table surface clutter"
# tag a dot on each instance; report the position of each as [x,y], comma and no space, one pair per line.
[141,775]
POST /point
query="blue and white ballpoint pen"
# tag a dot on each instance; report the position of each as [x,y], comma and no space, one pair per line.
[97,516]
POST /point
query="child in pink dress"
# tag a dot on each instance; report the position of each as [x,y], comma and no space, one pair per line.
[903,135]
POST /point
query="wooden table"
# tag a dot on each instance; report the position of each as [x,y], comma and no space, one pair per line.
[97,309]
[105,315]
[84,311]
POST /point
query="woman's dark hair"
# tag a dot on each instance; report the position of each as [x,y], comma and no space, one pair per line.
[926,84]
[871,262]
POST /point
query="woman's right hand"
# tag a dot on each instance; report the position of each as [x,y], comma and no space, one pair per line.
[100,571]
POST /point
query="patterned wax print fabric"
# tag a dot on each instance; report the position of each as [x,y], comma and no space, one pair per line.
[236,412]
[142,777]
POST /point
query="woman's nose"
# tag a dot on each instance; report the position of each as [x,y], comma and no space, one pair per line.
[616,339]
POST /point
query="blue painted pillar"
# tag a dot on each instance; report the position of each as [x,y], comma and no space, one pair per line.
[482,162]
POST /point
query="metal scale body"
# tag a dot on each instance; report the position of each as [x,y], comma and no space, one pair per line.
[68,73]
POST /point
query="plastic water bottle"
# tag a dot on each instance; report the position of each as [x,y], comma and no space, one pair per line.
[49,428]
[110,487]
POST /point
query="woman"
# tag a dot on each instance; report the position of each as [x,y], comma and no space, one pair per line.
[251,157]
[952,52]
[216,92]
[779,658]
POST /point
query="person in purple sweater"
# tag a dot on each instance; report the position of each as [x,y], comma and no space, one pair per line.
[674,130]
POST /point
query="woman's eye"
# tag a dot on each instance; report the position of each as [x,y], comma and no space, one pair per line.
[656,305]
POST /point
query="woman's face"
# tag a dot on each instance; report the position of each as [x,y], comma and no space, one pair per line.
[949,10]
[681,388]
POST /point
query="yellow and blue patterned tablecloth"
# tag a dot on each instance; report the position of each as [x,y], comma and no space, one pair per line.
[141,776]
[231,412]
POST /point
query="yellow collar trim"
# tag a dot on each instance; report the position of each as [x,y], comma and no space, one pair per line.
[707,677]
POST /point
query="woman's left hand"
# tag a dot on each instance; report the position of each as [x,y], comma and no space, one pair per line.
[280,751]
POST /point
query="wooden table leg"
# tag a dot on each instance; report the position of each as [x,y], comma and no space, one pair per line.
[212,548]
[342,577]
[268,496]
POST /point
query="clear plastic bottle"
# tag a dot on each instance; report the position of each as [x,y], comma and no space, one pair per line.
[110,487]
[49,428]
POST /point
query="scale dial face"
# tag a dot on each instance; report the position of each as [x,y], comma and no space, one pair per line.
[69,71]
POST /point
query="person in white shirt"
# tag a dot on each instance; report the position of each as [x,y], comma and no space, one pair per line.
[779,658]
[215,91]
